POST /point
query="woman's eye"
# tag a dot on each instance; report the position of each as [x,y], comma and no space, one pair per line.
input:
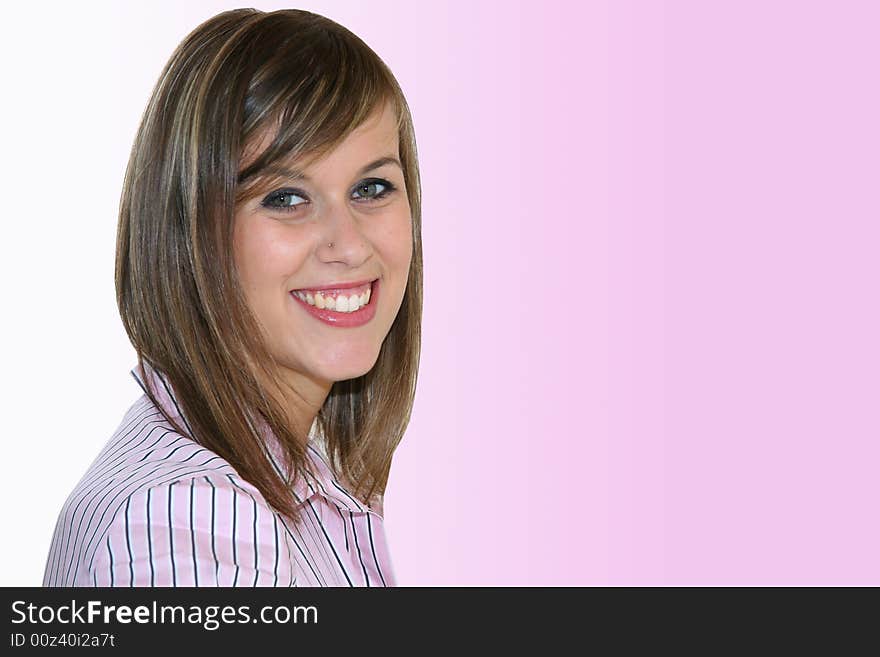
[369,187]
[282,200]
[289,200]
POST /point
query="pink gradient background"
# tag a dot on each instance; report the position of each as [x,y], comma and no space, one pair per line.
[651,309]
[651,319]
[651,325]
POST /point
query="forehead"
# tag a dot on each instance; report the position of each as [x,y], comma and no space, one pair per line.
[376,136]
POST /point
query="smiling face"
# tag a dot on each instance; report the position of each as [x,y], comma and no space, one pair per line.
[282,244]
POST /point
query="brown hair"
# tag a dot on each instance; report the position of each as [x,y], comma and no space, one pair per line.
[312,82]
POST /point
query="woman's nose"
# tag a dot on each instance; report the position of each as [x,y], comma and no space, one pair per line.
[343,238]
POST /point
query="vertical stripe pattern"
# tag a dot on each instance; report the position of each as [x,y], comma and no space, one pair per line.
[157,509]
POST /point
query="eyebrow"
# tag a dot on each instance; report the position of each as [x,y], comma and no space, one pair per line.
[297,174]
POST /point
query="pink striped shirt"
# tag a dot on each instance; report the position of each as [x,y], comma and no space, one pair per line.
[157,509]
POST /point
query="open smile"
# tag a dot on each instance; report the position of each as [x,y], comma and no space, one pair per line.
[341,307]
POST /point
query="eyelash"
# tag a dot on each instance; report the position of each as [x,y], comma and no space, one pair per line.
[281,193]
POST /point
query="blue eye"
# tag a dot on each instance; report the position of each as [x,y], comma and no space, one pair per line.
[367,191]
[283,199]
[372,184]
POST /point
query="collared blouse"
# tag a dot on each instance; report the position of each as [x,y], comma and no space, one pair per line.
[156,508]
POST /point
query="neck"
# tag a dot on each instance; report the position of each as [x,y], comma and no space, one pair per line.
[301,398]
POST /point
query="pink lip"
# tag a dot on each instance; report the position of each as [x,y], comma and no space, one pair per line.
[343,320]
[336,286]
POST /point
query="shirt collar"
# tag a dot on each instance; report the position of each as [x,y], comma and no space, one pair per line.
[319,478]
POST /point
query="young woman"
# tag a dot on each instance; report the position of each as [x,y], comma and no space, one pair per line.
[269,276]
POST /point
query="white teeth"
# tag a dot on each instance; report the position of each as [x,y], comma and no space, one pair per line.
[342,304]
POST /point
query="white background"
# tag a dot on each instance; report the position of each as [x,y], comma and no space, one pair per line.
[76,78]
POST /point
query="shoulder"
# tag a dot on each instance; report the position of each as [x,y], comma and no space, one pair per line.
[210,502]
[145,456]
[146,451]
[210,529]
[147,459]
[153,501]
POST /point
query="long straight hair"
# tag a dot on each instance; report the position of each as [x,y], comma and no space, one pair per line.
[312,82]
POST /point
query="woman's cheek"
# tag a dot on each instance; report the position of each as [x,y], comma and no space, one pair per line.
[271,250]
[396,236]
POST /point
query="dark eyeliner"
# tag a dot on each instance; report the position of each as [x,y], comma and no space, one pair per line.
[389,187]
[266,202]
[287,191]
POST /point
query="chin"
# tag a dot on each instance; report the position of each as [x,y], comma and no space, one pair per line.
[345,368]
[340,374]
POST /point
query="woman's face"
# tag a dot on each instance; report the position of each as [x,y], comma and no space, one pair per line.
[282,245]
